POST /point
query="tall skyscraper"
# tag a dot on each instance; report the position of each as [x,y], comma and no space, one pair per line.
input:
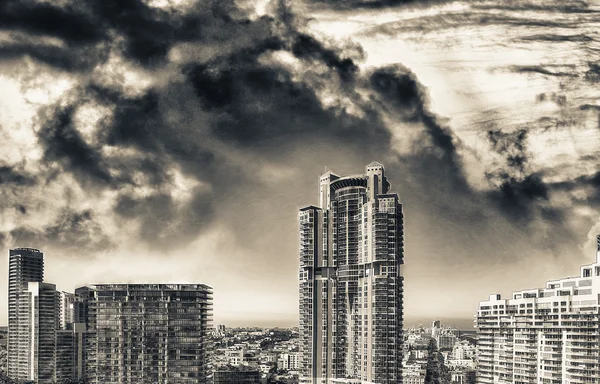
[148,333]
[32,318]
[351,288]
[546,335]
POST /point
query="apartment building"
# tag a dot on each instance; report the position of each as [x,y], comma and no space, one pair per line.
[148,333]
[546,335]
[32,318]
[351,287]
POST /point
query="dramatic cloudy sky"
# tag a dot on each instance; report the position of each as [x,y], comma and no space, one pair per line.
[174,141]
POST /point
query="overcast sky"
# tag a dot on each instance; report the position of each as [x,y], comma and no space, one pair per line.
[174,141]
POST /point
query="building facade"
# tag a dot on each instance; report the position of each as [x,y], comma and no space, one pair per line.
[66,301]
[288,361]
[32,318]
[70,351]
[237,376]
[351,287]
[148,333]
[548,335]
[24,265]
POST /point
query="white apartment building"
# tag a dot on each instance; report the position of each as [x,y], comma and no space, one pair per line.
[288,361]
[546,335]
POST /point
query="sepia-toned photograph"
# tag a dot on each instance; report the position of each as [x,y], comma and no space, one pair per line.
[300,192]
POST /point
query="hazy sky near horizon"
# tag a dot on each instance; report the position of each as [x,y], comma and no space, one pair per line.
[174,141]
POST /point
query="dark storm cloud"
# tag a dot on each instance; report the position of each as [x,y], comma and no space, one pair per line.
[519,190]
[556,38]
[587,107]
[72,231]
[451,20]
[261,105]
[142,33]
[373,4]
[558,7]
[305,46]
[510,145]
[76,59]
[237,99]
[541,69]
[63,143]
[558,99]
[401,90]
[163,223]
[593,73]
[72,23]
[9,175]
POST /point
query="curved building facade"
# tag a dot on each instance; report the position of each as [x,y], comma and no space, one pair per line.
[351,287]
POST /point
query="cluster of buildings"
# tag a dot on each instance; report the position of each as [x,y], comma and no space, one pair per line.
[459,354]
[351,309]
[269,354]
[105,333]
[350,318]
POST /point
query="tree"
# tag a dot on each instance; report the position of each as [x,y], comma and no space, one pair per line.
[436,371]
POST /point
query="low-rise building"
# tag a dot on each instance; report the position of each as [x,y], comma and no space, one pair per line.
[288,361]
[413,373]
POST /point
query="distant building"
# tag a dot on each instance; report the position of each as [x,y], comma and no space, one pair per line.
[66,302]
[3,346]
[81,304]
[265,367]
[548,335]
[435,328]
[462,355]
[413,374]
[288,361]
[148,333]
[446,338]
[414,379]
[351,287]
[462,376]
[463,350]
[235,356]
[236,376]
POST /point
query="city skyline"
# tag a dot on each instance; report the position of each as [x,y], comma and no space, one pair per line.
[175,142]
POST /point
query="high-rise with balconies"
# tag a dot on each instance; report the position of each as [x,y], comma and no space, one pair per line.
[32,318]
[148,333]
[351,287]
[547,335]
